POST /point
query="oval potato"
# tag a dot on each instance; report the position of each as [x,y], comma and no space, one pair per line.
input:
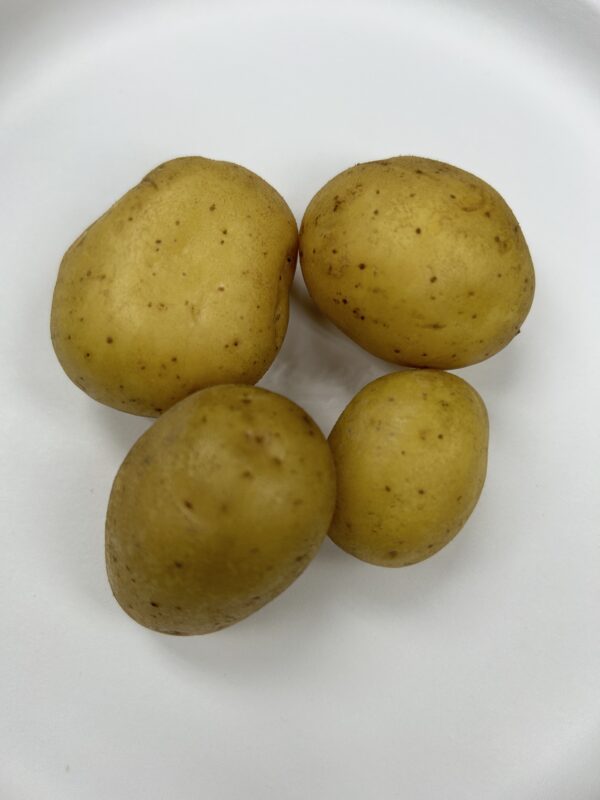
[182,284]
[216,509]
[411,454]
[419,262]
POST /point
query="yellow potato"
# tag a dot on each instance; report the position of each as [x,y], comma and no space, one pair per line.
[217,508]
[419,262]
[410,452]
[182,284]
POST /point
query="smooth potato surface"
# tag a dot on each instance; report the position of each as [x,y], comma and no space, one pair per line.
[419,262]
[411,453]
[216,509]
[182,284]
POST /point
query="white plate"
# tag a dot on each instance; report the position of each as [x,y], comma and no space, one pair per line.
[472,676]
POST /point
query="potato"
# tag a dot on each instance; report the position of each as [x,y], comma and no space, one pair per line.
[411,453]
[419,262]
[217,508]
[182,284]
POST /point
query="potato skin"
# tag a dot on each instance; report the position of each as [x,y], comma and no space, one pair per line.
[216,509]
[411,454]
[183,283]
[419,262]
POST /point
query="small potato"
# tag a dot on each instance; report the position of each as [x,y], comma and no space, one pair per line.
[419,262]
[182,284]
[411,454]
[216,509]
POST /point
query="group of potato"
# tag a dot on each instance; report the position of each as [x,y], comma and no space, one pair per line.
[175,302]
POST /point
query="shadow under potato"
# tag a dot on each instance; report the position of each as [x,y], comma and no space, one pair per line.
[123,429]
[311,616]
[319,367]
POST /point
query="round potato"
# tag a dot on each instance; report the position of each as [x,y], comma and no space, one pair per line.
[411,453]
[217,508]
[419,262]
[182,284]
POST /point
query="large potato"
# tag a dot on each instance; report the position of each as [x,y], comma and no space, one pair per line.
[217,508]
[411,453]
[182,284]
[419,262]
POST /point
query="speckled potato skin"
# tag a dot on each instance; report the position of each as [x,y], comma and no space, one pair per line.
[419,262]
[217,508]
[182,284]
[411,454]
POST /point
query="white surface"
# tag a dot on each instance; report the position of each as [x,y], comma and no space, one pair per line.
[473,676]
